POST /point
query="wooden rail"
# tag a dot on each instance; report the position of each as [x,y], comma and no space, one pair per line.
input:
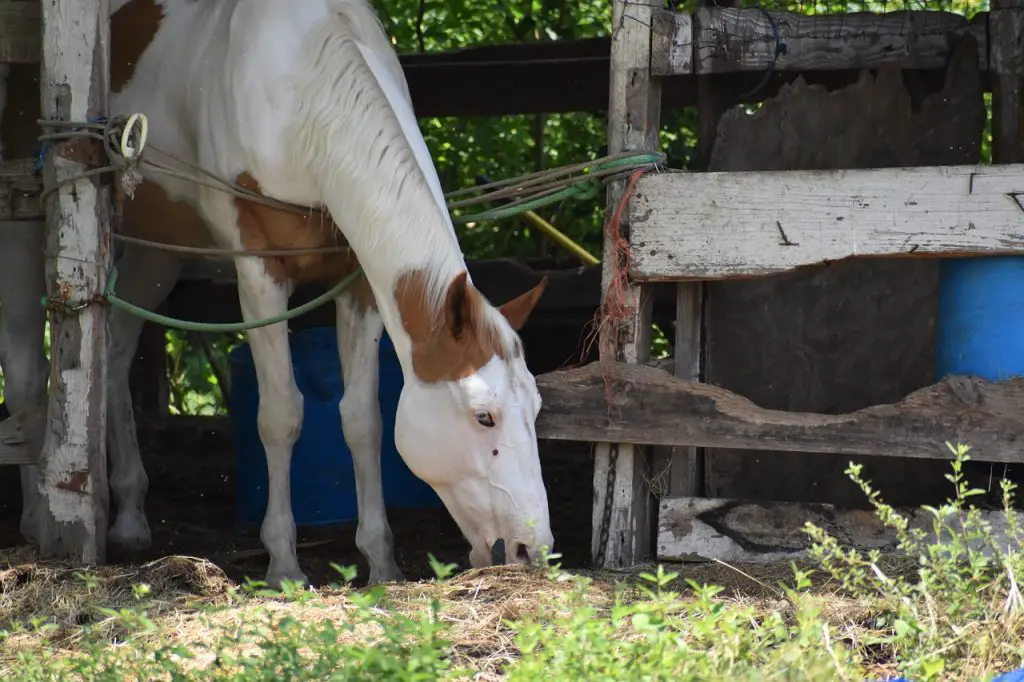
[650,406]
[719,39]
[739,225]
[743,531]
[21,31]
[731,39]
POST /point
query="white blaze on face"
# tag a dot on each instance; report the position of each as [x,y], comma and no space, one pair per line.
[474,442]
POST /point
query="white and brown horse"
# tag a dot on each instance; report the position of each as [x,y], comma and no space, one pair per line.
[305,102]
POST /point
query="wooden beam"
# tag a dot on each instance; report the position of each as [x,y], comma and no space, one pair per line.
[550,77]
[1006,31]
[650,406]
[533,78]
[624,513]
[736,225]
[671,43]
[680,471]
[739,531]
[73,463]
[686,475]
[733,39]
[21,436]
[20,188]
[20,31]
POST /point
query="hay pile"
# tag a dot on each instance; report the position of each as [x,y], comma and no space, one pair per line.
[477,604]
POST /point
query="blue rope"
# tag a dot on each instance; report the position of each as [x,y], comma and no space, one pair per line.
[46,145]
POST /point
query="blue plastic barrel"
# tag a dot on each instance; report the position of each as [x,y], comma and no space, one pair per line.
[979,327]
[322,478]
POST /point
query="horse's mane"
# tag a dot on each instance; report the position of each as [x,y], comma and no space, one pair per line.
[360,125]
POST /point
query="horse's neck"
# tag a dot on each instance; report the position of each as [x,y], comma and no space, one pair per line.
[376,177]
[356,145]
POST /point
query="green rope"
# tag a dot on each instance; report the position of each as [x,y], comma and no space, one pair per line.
[584,188]
[221,327]
[227,327]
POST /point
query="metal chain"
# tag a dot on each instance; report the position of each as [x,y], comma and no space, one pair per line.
[609,493]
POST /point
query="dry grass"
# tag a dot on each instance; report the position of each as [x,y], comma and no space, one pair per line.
[476,604]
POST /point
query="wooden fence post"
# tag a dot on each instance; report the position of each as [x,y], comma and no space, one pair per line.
[1006,59]
[623,505]
[73,463]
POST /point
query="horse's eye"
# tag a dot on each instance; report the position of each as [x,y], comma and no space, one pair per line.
[484,419]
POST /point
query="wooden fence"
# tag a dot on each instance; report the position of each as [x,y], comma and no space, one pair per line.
[683,228]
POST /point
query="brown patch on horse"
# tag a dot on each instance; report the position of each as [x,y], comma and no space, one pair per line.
[132,29]
[458,339]
[265,227]
[151,215]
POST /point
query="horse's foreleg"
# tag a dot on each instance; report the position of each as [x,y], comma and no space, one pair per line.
[359,333]
[279,418]
[145,278]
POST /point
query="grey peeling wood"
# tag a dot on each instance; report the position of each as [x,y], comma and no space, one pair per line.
[741,531]
[652,407]
[72,518]
[21,436]
[20,31]
[732,39]
[751,224]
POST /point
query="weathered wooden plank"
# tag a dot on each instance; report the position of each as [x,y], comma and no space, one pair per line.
[650,406]
[707,529]
[623,519]
[20,188]
[20,31]
[730,39]
[21,436]
[734,225]
[73,461]
[858,332]
[685,466]
[687,463]
[671,43]
[1006,33]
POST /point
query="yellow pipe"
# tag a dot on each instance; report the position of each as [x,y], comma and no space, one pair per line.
[561,239]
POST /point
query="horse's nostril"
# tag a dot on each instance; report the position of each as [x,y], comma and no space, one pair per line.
[522,554]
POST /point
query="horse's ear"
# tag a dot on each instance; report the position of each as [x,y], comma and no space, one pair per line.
[459,305]
[518,310]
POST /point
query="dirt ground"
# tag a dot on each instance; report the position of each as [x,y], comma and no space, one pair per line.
[191,510]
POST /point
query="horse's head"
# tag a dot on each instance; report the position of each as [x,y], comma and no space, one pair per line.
[466,417]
